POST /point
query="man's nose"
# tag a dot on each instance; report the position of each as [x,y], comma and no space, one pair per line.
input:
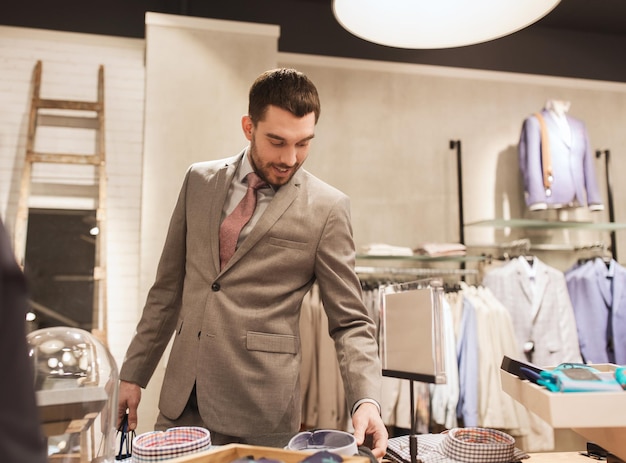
[289,156]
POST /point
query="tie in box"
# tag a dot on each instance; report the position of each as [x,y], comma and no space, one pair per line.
[231,452]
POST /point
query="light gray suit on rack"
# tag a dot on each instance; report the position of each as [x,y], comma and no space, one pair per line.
[540,309]
[244,319]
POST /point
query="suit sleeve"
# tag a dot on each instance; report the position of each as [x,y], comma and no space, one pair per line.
[568,329]
[530,161]
[163,304]
[594,198]
[353,331]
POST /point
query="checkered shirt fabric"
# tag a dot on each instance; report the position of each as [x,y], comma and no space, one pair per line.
[459,445]
[158,446]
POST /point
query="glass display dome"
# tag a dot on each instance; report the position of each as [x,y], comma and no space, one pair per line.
[76,384]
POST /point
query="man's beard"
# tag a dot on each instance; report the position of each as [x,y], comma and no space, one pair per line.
[263,170]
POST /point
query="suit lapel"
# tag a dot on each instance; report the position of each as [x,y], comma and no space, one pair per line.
[601,274]
[541,284]
[223,179]
[524,279]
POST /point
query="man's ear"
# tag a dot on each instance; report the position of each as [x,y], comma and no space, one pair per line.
[247,125]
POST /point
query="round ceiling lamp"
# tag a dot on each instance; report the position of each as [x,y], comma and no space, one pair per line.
[437,23]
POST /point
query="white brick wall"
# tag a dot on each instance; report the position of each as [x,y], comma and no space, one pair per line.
[70,66]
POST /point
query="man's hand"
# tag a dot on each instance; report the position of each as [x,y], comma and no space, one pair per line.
[367,422]
[129,396]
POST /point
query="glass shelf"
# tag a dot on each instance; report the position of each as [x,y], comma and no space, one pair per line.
[547,224]
[549,247]
[420,257]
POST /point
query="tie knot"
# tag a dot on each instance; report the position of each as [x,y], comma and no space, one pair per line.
[254,181]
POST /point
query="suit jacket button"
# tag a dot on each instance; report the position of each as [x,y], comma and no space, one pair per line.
[215,286]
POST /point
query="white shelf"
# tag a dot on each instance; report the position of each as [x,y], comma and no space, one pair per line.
[599,417]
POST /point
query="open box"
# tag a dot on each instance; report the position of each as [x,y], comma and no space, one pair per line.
[230,452]
[599,417]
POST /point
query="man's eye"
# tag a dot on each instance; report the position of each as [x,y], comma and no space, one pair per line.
[277,143]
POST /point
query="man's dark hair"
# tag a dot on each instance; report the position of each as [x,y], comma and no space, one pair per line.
[287,89]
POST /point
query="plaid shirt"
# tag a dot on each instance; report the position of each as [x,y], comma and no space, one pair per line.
[158,446]
[459,445]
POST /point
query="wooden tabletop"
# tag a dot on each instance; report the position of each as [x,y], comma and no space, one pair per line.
[556,457]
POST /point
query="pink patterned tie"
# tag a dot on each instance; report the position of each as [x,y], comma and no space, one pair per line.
[233,224]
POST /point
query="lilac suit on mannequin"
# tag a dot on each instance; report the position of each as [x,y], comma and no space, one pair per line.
[574,181]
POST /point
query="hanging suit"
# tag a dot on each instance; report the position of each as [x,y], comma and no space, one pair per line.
[496,338]
[323,398]
[599,301]
[574,182]
[540,308]
[541,312]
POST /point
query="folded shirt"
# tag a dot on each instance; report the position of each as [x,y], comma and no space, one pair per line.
[175,442]
[459,445]
[441,249]
[382,249]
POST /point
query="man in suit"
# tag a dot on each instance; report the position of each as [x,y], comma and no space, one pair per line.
[234,364]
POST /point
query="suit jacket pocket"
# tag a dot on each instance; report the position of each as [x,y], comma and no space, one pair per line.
[283,243]
[270,342]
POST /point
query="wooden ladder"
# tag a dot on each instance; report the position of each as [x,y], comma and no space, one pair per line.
[75,114]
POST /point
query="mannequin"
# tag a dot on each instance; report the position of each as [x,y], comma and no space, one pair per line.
[558,110]
[557,107]
[556,160]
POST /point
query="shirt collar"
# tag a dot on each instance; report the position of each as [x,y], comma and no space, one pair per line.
[244,167]
[530,270]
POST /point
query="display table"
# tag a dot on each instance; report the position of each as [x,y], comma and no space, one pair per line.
[556,457]
[230,452]
[599,417]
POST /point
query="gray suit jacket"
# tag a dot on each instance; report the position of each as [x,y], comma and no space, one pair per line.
[237,330]
[541,311]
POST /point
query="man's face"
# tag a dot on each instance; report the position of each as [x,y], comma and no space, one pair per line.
[279,144]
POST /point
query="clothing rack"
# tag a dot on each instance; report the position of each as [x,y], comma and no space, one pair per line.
[523,247]
[512,250]
[374,277]
[598,250]
[406,271]
[609,192]
[456,145]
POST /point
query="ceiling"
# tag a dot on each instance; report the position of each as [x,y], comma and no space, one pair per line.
[579,38]
[596,16]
